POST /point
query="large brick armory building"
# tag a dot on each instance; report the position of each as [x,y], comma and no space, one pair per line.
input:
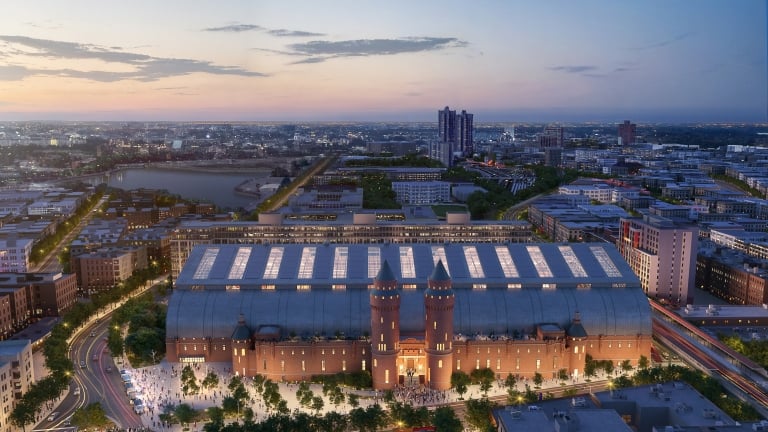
[407,312]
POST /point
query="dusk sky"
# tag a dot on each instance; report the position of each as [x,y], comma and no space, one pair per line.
[555,60]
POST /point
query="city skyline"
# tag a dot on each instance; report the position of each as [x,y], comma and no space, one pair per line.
[678,61]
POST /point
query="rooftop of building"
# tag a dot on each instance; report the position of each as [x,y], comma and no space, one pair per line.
[671,406]
[499,289]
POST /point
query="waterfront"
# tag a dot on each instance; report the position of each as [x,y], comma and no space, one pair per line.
[215,187]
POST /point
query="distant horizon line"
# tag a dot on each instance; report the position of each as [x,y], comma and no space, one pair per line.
[481,123]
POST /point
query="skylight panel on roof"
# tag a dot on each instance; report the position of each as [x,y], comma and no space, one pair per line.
[438,254]
[473,262]
[407,266]
[573,261]
[238,265]
[506,262]
[307,264]
[605,261]
[273,263]
[206,263]
[542,268]
[340,257]
[374,261]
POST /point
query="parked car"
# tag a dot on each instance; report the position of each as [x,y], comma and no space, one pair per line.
[53,416]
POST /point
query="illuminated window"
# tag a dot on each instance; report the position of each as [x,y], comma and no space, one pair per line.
[473,262]
[238,264]
[340,258]
[605,261]
[514,286]
[307,264]
[206,263]
[374,261]
[439,364]
[573,261]
[273,263]
[338,287]
[506,262]
[303,287]
[407,267]
[542,268]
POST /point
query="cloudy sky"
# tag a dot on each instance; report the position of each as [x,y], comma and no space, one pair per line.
[515,60]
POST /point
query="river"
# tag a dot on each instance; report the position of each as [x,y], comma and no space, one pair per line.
[215,187]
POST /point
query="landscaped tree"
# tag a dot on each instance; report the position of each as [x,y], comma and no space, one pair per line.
[562,375]
[23,414]
[185,414]
[189,381]
[608,367]
[211,380]
[354,400]
[642,362]
[368,419]
[237,389]
[317,404]
[91,416]
[478,414]
[537,380]
[484,377]
[445,420]
[626,366]
[459,382]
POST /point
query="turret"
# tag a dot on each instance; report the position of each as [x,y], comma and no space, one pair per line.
[241,341]
[576,344]
[385,328]
[438,337]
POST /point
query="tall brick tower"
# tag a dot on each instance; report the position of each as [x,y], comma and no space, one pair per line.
[438,338]
[385,328]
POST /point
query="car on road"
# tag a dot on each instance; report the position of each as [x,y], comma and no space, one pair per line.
[95,357]
[77,391]
[82,364]
[108,369]
[53,416]
[93,334]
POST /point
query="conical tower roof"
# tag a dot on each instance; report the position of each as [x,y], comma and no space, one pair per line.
[385,273]
[576,330]
[440,274]
[242,332]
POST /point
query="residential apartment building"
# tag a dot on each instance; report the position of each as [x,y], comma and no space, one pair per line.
[14,254]
[662,254]
[103,269]
[16,377]
[422,192]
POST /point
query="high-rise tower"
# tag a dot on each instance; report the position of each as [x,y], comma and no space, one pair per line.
[466,133]
[627,132]
[385,328]
[438,337]
[446,123]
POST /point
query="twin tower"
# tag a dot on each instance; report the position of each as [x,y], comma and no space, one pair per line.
[388,368]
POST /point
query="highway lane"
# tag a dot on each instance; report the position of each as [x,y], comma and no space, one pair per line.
[50,264]
[89,348]
[713,364]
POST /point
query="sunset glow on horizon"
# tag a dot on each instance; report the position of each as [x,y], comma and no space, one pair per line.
[659,60]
